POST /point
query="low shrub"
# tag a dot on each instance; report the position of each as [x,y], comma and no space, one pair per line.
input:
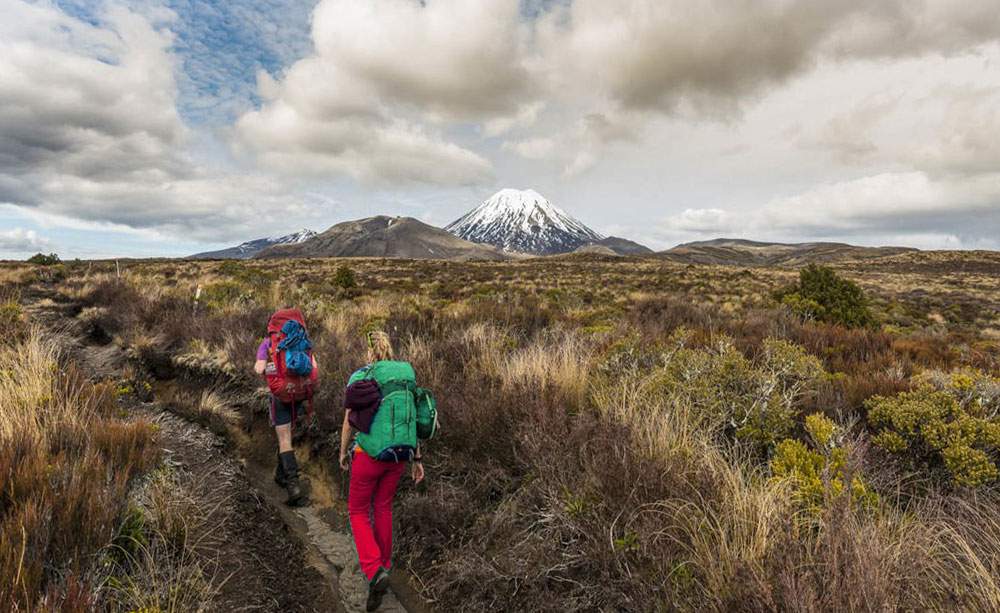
[823,295]
[10,316]
[344,278]
[225,294]
[756,400]
[820,469]
[44,260]
[946,422]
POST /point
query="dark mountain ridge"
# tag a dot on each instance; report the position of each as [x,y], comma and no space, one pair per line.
[383,236]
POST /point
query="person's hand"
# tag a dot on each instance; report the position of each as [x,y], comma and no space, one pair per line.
[345,460]
[417,472]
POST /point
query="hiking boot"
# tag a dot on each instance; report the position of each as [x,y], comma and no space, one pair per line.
[376,589]
[290,468]
[279,473]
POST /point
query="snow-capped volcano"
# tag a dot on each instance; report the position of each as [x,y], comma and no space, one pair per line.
[523,220]
[251,248]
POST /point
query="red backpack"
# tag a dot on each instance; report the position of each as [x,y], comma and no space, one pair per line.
[286,386]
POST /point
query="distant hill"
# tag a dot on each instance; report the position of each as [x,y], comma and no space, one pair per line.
[382,236]
[739,252]
[620,246]
[251,248]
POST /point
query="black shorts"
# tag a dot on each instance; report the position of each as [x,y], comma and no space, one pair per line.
[284,413]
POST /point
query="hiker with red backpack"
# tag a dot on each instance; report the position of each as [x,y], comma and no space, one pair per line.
[285,359]
[390,415]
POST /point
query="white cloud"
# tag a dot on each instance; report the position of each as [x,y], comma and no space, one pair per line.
[459,58]
[532,148]
[900,202]
[891,206]
[703,221]
[89,131]
[709,58]
[19,240]
[525,117]
[383,75]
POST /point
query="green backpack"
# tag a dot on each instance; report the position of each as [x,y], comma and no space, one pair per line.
[405,414]
[427,415]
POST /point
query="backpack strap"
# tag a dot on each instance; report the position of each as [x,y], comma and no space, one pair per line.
[397,385]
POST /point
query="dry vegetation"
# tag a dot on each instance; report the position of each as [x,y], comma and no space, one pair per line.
[66,460]
[635,434]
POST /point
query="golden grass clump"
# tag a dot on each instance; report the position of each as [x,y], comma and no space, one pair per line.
[66,461]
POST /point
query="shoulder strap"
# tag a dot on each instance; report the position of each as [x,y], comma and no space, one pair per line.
[396,385]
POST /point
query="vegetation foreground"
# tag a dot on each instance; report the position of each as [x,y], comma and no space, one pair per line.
[617,434]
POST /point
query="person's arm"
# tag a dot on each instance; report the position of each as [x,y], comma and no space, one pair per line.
[417,470]
[345,440]
[260,366]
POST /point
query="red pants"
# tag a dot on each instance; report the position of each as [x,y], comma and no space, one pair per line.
[373,486]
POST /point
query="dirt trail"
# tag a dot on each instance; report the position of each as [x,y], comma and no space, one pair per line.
[277,558]
[264,569]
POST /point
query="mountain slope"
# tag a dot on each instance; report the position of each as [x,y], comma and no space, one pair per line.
[618,246]
[523,221]
[739,252]
[381,236]
[251,248]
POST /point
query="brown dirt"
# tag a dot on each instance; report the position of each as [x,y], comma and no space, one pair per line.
[264,562]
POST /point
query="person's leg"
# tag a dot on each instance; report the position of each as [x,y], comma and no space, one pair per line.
[385,492]
[281,419]
[365,473]
[284,433]
[287,473]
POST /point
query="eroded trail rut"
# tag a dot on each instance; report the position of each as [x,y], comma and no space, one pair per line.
[273,558]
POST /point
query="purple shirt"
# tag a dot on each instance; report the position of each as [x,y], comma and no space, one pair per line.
[263,349]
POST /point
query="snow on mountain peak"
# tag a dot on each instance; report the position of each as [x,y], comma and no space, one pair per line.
[523,220]
[293,238]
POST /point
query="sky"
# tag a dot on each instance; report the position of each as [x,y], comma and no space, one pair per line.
[165,127]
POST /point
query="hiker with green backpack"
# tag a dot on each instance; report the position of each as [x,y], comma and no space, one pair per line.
[389,415]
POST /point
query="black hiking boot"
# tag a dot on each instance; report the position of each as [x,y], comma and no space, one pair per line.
[290,468]
[279,473]
[376,589]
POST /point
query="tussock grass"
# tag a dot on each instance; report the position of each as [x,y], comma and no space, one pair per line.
[66,461]
[162,558]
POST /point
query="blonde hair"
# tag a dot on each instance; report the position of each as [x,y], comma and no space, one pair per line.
[379,346]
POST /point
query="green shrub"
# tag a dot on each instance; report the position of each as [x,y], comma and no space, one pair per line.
[823,295]
[226,294]
[44,260]
[10,315]
[945,426]
[820,470]
[256,278]
[344,278]
[756,400]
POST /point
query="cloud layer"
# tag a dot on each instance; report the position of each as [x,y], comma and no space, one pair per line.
[795,118]
[19,240]
[90,130]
